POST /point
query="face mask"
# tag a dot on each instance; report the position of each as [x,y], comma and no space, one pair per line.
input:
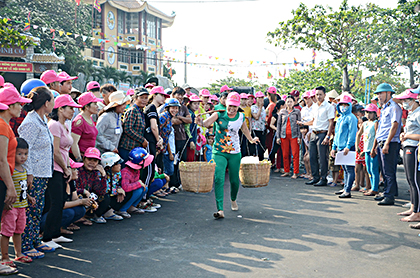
[344,109]
[407,106]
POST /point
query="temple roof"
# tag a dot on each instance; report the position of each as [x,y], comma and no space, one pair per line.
[50,58]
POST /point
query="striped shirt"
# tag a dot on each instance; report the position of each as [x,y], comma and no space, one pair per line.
[21,187]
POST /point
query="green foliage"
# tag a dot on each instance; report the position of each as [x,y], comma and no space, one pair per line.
[140,80]
[166,69]
[341,33]
[10,36]
[235,82]
[58,15]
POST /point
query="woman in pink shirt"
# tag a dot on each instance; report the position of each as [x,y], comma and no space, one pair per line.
[54,202]
[83,129]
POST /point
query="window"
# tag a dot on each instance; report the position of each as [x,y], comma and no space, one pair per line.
[121,27]
[101,64]
[97,19]
[136,68]
[151,69]
[137,56]
[131,23]
[96,52]
[151,58]
[124,67]
[159,29]
[95,63]
[151,26]
[123,55]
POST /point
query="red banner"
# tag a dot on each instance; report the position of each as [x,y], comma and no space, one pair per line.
[16,67]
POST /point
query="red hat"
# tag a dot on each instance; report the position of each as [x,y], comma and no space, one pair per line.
[251,95]
[50,76]
[225,88]
[87,98]
[9,95]
[233,99]
[159,90]
[272,90]
[93,153]
[371,108]
[75,165]
[205,93]
[65,100]
[294,93]
[66,77]
[93,85]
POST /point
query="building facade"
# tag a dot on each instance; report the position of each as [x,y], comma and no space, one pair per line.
[128,36]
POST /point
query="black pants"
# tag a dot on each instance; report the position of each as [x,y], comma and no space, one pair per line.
[413,176]
[103,206]
[3,190]
[117,206]
[54,203]
[389,168]
[148,173]
[179,145]
[259,149]
[318,156]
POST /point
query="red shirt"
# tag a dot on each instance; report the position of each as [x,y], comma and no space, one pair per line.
[6,130]
[87,132]
[130,179]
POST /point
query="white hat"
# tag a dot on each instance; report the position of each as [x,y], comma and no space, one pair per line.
[117,98]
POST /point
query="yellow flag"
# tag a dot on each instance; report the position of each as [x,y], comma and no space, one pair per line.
[61,33]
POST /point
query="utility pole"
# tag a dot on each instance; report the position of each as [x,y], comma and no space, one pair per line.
[185,65]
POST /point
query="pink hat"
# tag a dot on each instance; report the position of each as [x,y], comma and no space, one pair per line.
[3,106]
[66,77]
[149,85]
[346,99]
[75,165]
[259,94]
[50,76]
[130,92]
[195,98]
[225,88]
[284,97]
[87,98]
[406,94]
[149,158]
[205,93]
[272,90]
[233,99]
[93,85]
[9,95]
[65,100]
[93,153]
[371,108]
[306,94]
[214,97]
[1,81]
[312,93]
[243,95]
[159,90]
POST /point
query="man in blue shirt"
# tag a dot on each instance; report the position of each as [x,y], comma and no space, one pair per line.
[387,142]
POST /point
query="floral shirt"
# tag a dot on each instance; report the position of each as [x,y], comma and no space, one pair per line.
[260,123]
[92,181]
[113,182]
[226,131]
[165,128]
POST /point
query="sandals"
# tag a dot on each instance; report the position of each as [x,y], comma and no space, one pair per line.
[73,227]
[294,176]
[9,264]
[416,226]
[23,259]
[33,254]
[218,215]
[6,270]
[370,193]
[43,248]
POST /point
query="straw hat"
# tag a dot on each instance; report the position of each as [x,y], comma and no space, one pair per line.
[332,94]
[117,98]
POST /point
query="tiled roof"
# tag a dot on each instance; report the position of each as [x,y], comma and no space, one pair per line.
[51,58]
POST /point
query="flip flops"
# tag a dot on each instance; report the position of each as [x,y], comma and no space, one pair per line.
[27,253]
[23,259]
[43,248]
[9,264]
[6,270]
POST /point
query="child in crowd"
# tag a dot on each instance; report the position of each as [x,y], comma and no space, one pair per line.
[13,219]
[304,130]
[207,150]
[193,105]
[138,158]
[92,179]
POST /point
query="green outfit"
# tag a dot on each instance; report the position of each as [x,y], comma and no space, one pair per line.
[227,153]
[219,107]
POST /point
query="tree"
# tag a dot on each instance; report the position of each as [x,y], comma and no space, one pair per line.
[140,80]
[12,37]
[123,77]
[340,33]
[167,71]
[106,73]
[394,38]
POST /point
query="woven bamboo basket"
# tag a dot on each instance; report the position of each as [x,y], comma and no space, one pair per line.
[197,177]
[254,175]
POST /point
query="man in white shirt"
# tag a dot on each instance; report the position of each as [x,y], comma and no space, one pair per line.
[322,123]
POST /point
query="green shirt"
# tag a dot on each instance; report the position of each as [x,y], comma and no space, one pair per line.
[226,133]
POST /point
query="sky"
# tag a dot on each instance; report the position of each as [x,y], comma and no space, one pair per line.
[234,32]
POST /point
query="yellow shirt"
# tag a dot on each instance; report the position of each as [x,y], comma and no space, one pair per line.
[247,112]
[21,187]
[200,110]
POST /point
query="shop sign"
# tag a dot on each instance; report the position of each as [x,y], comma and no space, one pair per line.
[16,67]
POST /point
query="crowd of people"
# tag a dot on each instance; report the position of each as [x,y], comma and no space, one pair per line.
[77,158]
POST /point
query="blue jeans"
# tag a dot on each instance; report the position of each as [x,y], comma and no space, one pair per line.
[349,177]
[135,198]
[155,186]
[70,215]
[168,165]
[372,167]
[123,154]
[389,169]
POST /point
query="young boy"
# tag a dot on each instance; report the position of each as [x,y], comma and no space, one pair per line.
[13,219]
[304,129]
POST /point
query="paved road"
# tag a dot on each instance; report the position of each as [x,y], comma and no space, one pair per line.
[287,229]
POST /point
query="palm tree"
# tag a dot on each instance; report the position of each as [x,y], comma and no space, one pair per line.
[123,77]
[141,79]
[106,73]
